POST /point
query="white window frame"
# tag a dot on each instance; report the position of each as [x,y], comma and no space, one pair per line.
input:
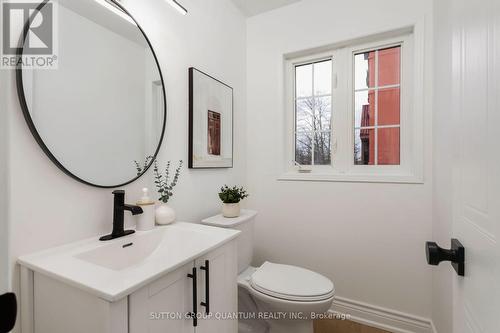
[342,140]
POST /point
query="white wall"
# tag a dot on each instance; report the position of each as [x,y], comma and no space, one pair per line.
[443,147]
[369,238]
[48,208]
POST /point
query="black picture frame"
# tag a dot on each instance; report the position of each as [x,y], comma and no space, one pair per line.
[29,120]
[191,163]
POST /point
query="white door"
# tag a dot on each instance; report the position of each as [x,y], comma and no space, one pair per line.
[222,292]
[161,306]
[476,208]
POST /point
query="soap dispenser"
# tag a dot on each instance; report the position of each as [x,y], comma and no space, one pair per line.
[146,221]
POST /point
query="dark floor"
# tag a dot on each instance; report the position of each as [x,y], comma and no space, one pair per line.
[343,326]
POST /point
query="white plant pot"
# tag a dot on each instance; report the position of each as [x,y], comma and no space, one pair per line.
[231,209]
[164,214]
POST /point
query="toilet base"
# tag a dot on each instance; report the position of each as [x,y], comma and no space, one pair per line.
[290,326]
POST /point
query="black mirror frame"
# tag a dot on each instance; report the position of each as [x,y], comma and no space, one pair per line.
[29,120]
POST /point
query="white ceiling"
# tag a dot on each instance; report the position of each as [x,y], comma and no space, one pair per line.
[254,7]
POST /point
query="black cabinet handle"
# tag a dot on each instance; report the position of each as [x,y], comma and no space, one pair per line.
[456,255]
[194,314]
[206,268]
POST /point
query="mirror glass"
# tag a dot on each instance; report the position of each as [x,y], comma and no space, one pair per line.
[100,115]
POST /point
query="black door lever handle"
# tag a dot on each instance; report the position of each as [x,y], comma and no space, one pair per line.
[8,312]
[456,255]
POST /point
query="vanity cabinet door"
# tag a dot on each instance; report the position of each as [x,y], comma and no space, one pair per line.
[161,306]
[222,292]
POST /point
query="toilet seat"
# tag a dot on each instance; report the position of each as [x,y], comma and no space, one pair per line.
[291,283]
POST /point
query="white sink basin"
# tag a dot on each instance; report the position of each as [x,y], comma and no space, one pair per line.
[114,269]
[119,256]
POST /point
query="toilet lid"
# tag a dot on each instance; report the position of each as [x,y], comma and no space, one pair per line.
[291,283]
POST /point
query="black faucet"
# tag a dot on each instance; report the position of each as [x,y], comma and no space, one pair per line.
[118,209]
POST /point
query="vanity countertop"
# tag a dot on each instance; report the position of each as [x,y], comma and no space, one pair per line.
[115,269]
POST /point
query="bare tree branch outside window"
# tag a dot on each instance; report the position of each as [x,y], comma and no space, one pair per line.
[313,112]
[313,126]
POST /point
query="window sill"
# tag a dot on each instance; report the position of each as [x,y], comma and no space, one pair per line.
[318,176]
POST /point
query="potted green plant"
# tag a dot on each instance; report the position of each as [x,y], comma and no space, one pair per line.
[165,214]
[231,197]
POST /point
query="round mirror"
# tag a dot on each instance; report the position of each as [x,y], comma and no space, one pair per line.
[99,113]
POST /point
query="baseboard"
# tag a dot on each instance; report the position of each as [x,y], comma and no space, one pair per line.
[434,330]
[379,317]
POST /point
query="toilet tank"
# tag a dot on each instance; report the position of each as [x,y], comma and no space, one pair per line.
[244,223]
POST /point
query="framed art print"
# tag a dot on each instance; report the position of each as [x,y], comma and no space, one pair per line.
[210,122]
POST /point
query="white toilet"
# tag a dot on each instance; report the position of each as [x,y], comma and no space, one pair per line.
[274,298]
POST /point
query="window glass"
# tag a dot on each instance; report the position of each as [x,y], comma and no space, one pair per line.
[377,107]
[323,78]
[313,113]
[388,146]
[303,79]
[303,148]
[364,70]
[322,153]
[364,112]
[364,146]
[389,66]
[388,106]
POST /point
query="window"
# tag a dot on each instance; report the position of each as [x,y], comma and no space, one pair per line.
[350,113]
[313,113]
[377,106]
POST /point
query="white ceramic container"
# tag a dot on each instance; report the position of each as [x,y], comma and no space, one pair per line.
[164,214]
[231,209]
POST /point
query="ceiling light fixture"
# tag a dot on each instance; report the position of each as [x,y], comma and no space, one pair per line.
[178,6]
[109,5]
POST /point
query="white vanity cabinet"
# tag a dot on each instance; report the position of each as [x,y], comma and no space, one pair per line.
[222,292]
[60,294]
[155,307]
[164,305]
